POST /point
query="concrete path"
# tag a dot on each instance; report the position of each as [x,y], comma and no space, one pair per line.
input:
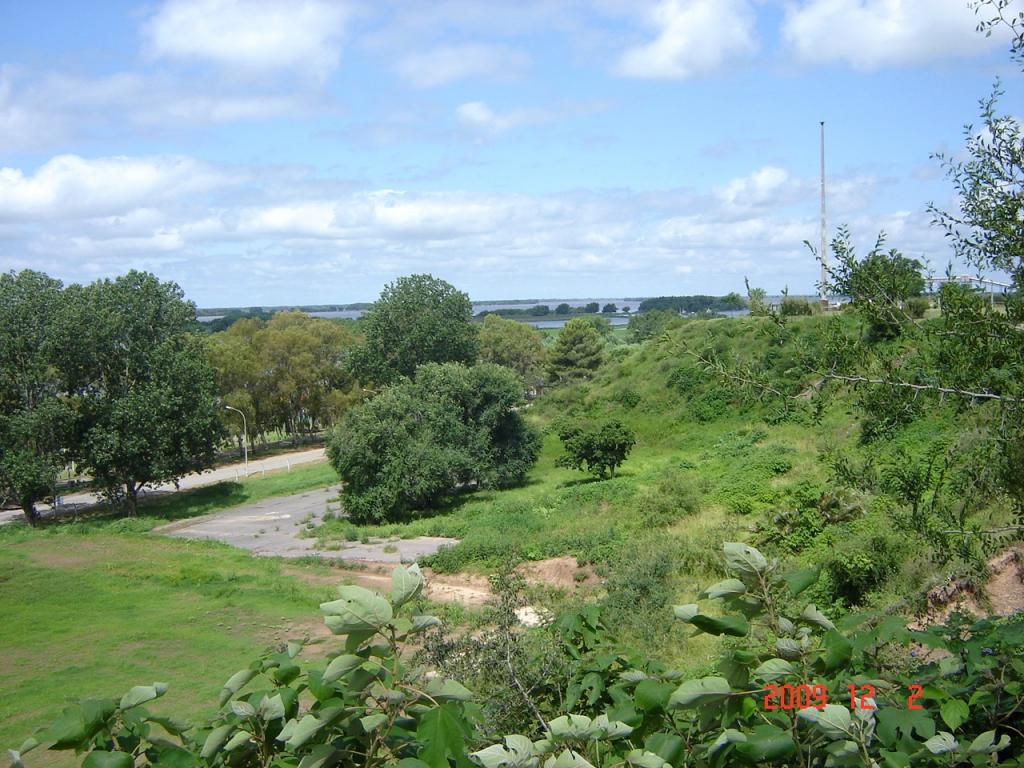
[217,475]
[273,527]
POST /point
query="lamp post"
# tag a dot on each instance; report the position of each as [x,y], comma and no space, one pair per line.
[245,437]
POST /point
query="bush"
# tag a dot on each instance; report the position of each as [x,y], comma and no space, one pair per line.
[793,306]
[917,306]
[598,449]
[671,496]
[419,442]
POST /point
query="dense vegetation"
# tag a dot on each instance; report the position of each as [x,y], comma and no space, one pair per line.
[821,471]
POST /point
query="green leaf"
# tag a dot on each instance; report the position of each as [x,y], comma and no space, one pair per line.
[570,759]
[986,742]
[140,694]
[894,720]
[271,707]
[742,558]
[234,684]
[340,666]
[302,732]
[895,759]
[941,743]
[294,646]
[725,738]
[685,612]
[798,581]
[372,722]
[406,584]
[319,756]
[652,694]
[774,669]
[570,727]
[834,721]
[838,651]
[241,738]
[359,610]
[519,752]
[215,740]
[643,759]
[602,727]
[726,588]
[28,745]
[243,708]
[668,746]
[695,693]
[421,622]
[101,759]
[788,648]
[442,732]
[765,744]
[735,626]
[448,690]
[812,615]
[954,712]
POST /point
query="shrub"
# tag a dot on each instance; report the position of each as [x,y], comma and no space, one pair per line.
[598,449]
[792,306]
[671,496]
[917,306]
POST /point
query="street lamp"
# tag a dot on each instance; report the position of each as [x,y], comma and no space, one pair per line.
[245,437]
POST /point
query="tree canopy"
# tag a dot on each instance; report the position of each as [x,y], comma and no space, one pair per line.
[513,344]
[577,350]
[417,319]
[420,441]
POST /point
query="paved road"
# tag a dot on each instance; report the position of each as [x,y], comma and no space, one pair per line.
[224,472]
[272,527]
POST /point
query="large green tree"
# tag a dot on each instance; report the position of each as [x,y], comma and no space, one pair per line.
[419,441]
[36,420]
[577,351]
[146,394]
[515,345]
[417,319]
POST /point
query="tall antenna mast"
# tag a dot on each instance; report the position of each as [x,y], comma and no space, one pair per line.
[822,252]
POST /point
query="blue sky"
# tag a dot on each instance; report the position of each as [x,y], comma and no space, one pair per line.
[309,151]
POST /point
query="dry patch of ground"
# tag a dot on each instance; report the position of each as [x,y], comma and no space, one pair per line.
[1003,592]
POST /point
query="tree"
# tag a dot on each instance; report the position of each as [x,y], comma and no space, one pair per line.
[563,309]
[646,325]
[598,449]
[592,307]
[577,350]
[146,394]
[515,345]
[879,285]
[757,300]
[420,441]
[609,309]
[36,422]
[417,319]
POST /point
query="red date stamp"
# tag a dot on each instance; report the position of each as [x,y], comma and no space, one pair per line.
[804,696]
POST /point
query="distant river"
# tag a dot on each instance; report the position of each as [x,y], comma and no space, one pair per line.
[491,306]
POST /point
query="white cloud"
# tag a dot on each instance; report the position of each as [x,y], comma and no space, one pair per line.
[477,115]
[260,35]
[450,63]
[276,235]
[870,34]
[69,186]
[694,37]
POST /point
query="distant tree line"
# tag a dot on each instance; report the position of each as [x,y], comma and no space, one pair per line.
[692,304]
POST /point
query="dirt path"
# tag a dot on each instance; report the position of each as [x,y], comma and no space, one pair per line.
[274,527]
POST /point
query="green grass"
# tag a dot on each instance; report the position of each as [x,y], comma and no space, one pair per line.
[93,614]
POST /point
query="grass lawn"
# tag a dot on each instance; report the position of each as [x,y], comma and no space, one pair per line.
[91,614]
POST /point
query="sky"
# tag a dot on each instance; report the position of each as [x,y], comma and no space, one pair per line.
[271,152]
